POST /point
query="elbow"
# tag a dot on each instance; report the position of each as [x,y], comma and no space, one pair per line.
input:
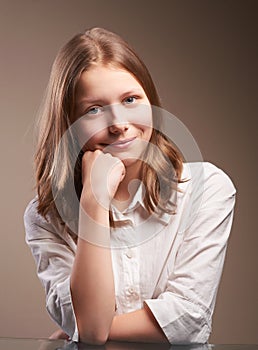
[94,333]
[97,337]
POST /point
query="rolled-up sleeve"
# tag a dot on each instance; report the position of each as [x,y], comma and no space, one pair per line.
[54,258]
[184,310]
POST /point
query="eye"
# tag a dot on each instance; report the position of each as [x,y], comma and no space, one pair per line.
[130,100]
[94,110]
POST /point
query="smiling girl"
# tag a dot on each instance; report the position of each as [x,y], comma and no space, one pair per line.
[120,262]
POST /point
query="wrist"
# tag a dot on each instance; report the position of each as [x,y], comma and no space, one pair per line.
[94,222]
[90,199]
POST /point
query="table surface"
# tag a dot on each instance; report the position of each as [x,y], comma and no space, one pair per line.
[46,344]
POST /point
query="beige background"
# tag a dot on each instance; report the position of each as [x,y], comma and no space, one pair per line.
[203,58]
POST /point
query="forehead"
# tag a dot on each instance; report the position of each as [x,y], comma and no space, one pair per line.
[100,79]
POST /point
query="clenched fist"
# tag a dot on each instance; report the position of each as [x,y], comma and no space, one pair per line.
[101,176]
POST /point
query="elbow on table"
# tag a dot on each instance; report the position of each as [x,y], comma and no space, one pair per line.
[94,331]
[93,337]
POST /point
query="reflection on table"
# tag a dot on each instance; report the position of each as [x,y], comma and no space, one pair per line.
[46,344]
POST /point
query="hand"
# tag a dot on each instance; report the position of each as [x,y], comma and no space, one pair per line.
[101,176]
[59,334]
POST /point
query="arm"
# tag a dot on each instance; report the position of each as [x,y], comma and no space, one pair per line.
[92,287]
[55,252]
[137,326]
[92,282]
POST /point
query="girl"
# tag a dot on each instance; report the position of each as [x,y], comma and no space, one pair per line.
[137,253]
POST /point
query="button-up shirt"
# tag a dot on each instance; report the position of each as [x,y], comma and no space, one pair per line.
[171,262]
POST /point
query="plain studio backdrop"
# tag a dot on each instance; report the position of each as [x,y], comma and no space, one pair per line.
[203,58]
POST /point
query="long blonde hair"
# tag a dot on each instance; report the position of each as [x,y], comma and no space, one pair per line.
[97,45]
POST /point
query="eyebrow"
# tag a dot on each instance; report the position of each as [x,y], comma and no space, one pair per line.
[93,101]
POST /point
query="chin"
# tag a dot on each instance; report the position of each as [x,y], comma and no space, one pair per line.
[128,162]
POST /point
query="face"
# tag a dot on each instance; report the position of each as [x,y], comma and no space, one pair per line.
[116,113]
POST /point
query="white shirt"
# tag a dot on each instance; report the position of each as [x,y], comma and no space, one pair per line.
[173,263]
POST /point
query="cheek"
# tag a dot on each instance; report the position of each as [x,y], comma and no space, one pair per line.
[142,119]
[143,113]
[89,132]
[148,133]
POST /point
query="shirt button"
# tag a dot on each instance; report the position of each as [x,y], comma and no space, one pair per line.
[129,253]
[132,294]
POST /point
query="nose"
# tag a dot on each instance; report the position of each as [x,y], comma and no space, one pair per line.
[118,128]
[118,122]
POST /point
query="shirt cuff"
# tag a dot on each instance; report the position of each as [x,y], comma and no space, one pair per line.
[182,321]
[61,310]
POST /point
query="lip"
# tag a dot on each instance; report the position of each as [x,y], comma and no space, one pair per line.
[123,143]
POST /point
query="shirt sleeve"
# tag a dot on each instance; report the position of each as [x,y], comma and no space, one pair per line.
[54,258]
[184,310]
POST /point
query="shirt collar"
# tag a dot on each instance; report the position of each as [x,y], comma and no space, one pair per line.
[135,203]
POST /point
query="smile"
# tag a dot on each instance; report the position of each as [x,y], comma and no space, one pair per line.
[122,143]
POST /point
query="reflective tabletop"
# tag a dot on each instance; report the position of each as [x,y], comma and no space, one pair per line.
[46,344]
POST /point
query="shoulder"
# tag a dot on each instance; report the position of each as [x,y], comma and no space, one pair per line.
[35,223]
[45,230]
[208,195]
[31,215]
[207,179]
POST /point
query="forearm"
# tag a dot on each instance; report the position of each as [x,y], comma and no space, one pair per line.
[92,284]
[137,326]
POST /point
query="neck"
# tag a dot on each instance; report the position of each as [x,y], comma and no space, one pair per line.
[128,187]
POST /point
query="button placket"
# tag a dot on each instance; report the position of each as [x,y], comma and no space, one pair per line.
[132,283]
